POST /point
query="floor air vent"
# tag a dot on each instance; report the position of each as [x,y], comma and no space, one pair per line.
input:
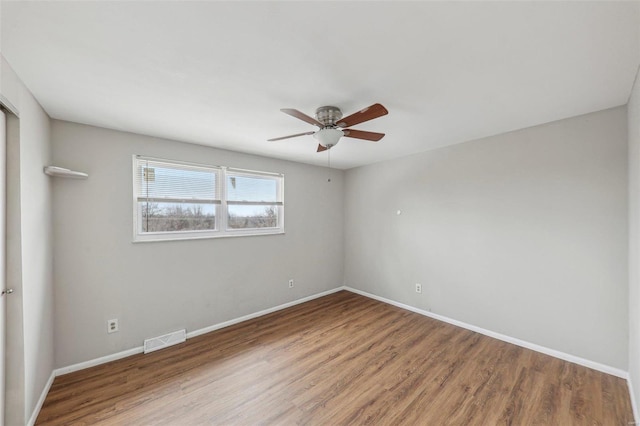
[161,342]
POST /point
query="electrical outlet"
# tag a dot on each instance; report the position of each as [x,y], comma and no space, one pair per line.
[290,283]
[112,325]
[418,288]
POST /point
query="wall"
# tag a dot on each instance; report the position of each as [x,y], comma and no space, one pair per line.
[29,250]
[523,234]
[157,287]
[633,121]
[37,255]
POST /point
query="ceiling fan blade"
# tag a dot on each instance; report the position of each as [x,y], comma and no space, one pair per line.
[301,116]
[290,136]
[369,113]
[321,148]
[359,134]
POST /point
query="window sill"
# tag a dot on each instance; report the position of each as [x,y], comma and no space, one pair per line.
[231,234]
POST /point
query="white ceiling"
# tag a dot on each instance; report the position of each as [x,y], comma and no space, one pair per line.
[217,73]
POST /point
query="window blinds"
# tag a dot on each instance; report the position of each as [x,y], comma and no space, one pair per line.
[158,181]
[253,189]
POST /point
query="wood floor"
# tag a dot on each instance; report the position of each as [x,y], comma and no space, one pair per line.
[340,359]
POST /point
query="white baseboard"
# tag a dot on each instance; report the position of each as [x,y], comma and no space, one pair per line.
[260,313]
[43,396]
[538,348]
[542,349]
[632,395]
[97,361]
[139,349]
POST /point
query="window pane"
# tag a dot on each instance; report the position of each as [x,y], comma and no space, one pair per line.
[244,188]
[161,180]
[247,216]
[172,217]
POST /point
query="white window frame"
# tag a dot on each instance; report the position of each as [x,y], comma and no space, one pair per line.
[221,208]
[278,177]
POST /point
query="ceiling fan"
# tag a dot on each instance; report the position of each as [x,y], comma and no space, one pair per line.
[333,126]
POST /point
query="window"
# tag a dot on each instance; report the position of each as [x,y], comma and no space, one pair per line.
[253,200]
[176,200]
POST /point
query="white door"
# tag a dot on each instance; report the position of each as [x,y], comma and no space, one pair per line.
[3,251]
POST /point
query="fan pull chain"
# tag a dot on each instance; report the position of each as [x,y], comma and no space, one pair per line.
[329,162]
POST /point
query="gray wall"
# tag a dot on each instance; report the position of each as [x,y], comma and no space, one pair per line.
[523,234]
[157,287]
[29,249]
[634,239]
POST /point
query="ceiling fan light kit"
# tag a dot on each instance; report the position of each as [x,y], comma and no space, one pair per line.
[332,126]
[328,136]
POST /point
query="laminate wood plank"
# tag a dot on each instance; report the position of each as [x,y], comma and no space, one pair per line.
[398,378]
[464,401]
[453,391]
[340,359]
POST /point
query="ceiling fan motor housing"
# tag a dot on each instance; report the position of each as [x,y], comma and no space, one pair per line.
[328,115]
